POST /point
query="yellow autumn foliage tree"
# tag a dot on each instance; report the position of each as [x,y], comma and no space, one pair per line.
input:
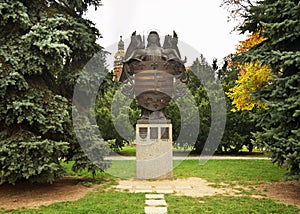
[252,40]
[252,76]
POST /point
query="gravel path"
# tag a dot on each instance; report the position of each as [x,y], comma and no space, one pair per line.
[119,157]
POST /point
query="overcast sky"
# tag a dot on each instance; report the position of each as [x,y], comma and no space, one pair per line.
[201,25]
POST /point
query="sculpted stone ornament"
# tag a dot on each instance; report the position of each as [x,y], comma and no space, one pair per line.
[153,74]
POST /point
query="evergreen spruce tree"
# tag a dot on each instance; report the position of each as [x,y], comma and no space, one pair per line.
[44,45]
[278,21]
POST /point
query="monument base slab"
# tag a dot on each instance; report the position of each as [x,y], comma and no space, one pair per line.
[154,155]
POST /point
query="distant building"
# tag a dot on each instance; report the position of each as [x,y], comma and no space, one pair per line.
[118,62]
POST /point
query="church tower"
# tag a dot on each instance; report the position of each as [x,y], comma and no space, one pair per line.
[118,63]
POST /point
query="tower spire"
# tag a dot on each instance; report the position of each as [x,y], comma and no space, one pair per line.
[119,57]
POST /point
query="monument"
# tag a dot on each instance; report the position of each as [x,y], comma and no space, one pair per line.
[153,75]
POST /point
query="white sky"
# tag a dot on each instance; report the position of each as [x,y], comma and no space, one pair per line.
[200,24]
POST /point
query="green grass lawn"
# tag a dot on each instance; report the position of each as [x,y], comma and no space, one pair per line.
[226,205]
[244,172]
[109,202]
[228,171]
[241,171]
[128,151]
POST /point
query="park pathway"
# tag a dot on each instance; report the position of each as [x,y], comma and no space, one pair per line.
[155,204]
[119,157]
[156,189]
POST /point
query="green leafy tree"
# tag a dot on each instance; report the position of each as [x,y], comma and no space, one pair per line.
[44,47]
[278,22]
[200,69]
[126,115]
[239,124]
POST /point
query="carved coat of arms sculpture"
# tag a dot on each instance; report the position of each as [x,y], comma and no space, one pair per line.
[152,74]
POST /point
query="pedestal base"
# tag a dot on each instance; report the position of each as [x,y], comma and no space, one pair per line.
[154,156]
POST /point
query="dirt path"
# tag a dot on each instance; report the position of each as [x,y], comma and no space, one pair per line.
[286,192]
[35,195]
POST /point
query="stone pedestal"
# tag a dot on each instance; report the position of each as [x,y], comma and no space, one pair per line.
[154,156]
